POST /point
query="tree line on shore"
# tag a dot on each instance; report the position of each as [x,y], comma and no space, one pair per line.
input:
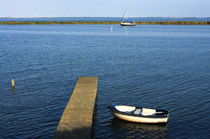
[105,22]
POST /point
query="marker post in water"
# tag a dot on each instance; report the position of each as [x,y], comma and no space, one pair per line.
[13,83]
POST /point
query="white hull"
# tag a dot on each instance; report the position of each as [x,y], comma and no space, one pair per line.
[127,24]
[140,119]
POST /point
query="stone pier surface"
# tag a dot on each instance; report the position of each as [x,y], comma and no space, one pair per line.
[76,121]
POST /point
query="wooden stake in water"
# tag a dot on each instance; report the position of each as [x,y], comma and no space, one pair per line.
[13,83]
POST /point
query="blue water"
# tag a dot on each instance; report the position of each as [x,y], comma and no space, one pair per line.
[109,19]
[151,66]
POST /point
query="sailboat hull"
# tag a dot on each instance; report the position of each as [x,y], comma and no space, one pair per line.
[127,24]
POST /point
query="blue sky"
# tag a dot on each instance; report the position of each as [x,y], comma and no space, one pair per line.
[104,8]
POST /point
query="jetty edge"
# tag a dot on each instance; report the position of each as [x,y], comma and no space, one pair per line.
[76,121]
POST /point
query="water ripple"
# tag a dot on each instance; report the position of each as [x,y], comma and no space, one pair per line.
[150,66]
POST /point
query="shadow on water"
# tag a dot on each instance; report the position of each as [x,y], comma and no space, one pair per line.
[138,130]
[78,133]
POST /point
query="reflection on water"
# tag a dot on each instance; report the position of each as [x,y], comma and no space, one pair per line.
[13,90]
[138,130]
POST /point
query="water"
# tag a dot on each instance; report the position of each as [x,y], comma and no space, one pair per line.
[151,66]
[108,19]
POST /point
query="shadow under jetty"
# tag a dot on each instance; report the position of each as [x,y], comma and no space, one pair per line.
[76,133]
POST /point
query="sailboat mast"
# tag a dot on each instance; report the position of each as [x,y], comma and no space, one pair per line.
[125,16]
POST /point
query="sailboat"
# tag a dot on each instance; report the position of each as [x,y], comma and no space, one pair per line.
[125,21]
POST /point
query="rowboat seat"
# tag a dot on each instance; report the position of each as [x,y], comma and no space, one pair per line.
[147,112]
[137,111]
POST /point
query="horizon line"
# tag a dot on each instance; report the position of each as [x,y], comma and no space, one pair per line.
[106,17]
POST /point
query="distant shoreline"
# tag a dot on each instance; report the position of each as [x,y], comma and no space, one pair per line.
[104,22]
[105,17]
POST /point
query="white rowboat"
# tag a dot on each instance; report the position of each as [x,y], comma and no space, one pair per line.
[139,114]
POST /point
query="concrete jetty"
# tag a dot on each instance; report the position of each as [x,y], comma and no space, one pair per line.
[76,121]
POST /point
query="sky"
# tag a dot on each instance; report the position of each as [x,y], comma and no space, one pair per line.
[104,8]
